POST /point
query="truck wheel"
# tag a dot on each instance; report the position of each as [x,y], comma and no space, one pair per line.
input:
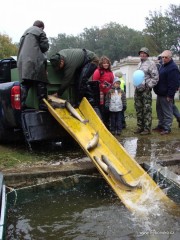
[9,135]
[1,132]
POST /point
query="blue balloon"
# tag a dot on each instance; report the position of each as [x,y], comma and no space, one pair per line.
[138,77]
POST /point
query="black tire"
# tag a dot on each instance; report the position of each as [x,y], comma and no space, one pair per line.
[10,135]
[1,131]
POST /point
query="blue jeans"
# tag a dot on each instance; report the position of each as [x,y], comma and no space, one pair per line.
[176,112]
[164,111]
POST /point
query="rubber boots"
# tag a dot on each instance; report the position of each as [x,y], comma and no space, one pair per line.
[42,93]
[24,94]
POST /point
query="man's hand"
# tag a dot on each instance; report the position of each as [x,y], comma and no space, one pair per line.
[169,99]
[55,95]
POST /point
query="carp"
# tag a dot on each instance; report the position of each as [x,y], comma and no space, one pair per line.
[118,176]
[74,113]
[93,142]
[101,164]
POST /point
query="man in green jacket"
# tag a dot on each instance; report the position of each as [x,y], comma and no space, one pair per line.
[76,67]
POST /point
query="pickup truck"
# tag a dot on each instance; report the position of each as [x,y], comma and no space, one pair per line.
[31,124]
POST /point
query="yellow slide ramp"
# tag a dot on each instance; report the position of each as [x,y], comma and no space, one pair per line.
[140,199]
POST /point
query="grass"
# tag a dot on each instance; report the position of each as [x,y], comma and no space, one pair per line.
[12,156]
[131,120]
[130,112]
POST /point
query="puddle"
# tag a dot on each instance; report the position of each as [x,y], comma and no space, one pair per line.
[150,147]
[134,146]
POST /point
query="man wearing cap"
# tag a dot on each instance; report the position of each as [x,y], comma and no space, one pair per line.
[143,94]
[32,62]
[176,111]
[165,89]
[76,67]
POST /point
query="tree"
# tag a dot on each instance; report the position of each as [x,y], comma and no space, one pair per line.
[162,30]
[173,15]
[7,48]
[63,41]
[121,41]
[113,40]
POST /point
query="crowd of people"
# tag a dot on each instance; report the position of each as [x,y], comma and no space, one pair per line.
[93,78]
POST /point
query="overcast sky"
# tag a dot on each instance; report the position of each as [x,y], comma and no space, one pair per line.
[72,16]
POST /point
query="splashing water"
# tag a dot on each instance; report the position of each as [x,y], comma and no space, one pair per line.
[149,203]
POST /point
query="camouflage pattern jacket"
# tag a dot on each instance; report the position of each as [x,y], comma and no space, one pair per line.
[151,75]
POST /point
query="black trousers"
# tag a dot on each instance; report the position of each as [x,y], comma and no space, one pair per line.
[41,90]
[116,121]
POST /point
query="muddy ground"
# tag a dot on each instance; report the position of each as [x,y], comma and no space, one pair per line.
[163,150]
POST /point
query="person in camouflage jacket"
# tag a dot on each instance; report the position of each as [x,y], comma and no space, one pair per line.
[143,94]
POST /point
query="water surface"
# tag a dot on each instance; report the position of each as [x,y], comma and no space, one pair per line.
[83,208]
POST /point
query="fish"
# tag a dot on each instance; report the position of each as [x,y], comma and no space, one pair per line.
[56,102]
[114,174]
[93,142]
[52,98]
[101,164]
[106,160]
[74,113]
[57,105]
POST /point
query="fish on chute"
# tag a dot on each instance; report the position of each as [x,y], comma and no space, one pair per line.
[93,142]
[115,175]
[74,113]
[56,102]
[101,164]
[107,161]
[61,103]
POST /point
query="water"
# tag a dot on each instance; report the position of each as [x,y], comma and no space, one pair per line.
[138,147]
[83,208]
[89,210]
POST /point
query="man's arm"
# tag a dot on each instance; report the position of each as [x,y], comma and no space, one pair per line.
[43,42]
[154,75]
[67,79]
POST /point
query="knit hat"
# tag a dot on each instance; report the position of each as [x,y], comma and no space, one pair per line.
[118,74]
[116,79]
[55,59]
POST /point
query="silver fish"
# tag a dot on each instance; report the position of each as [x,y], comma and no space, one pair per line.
[93,142]
[106,160]
[74,113]
[55,99]
[117,176]
[56,104]
[101,164]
